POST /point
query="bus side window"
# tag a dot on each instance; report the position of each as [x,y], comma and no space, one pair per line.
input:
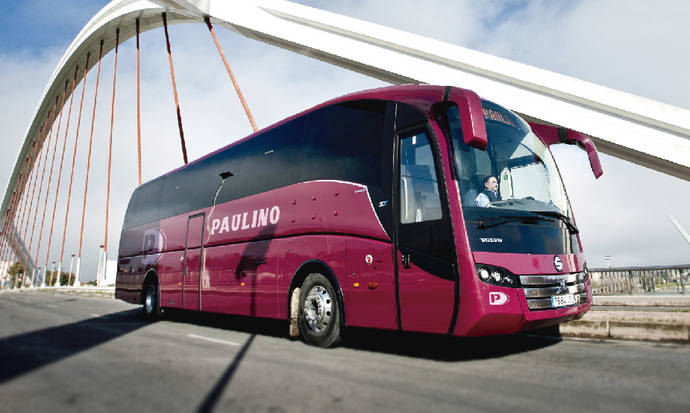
[148,202]
[345,142]
[419,197]
[143,206]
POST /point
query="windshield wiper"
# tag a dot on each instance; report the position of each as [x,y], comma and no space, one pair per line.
[487,222]
[573,229]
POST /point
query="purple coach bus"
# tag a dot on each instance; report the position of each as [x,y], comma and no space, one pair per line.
[412,208]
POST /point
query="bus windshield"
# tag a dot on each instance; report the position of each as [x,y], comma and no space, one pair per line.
[515,176]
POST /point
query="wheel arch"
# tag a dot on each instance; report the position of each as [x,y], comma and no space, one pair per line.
[151,276]
[315,265]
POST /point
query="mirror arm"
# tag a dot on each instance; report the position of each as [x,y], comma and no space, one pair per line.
[552,135]
[471,116]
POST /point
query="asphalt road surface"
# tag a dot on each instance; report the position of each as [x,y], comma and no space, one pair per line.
[71,353]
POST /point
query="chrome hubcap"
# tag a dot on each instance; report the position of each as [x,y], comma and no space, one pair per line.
[317,309]
[150,300]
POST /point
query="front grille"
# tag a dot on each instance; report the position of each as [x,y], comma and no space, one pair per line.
[540,289]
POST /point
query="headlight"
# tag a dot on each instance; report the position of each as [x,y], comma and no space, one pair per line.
[584,275]
[497,276]
[483,274]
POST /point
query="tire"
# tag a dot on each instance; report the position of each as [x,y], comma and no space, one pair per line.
[151,301]
[319,312]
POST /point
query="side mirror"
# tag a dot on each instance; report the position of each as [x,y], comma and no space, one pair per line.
[552,135]
[471,116]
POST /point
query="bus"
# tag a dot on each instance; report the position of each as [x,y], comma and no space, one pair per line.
[414,208]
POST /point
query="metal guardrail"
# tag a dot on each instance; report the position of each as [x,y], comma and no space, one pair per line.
[640,280]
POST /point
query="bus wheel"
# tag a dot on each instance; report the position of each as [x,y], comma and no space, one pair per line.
[319,315]
[152,307]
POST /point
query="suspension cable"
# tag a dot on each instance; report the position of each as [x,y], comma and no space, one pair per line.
[40,188]
[26,210]
[110,147]
[59,176]
[5,243]
[174,85]
[50,178]
[20,208]
[88,161]
[18,194]
[74,157]
[10,214]
[25,261]
[232,77]
[138,107]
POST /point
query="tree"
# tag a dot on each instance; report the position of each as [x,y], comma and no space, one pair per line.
[51,278]
[16,272]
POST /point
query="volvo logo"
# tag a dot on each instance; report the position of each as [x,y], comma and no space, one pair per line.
[558,263]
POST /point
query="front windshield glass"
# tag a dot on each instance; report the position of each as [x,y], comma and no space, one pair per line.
[515,175]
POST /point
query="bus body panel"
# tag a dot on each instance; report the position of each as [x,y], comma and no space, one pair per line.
[526,264]
[426,300]
[242,279]
[370,287]
[479,317]
[128,283]
[328,250]
[304,208]
[170,268]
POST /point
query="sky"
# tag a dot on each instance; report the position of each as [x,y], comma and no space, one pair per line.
[636,47]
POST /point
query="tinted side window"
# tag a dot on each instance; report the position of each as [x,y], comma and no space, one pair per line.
[130,215]
[143,207]
[268,161]
[187,190]
[344,142]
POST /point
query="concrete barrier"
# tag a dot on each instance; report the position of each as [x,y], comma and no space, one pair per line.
[627,330]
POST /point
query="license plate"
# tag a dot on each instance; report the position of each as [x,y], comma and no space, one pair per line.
[563,300]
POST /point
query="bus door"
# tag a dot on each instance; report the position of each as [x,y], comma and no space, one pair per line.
[191,286]
[425,249]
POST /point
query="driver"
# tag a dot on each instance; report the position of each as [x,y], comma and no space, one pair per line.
[489,193]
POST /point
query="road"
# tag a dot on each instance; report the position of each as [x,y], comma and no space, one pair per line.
[70,353]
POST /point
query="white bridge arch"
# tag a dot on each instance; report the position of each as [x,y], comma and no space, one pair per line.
[646,132]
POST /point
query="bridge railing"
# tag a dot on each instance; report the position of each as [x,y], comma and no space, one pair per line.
[640,280]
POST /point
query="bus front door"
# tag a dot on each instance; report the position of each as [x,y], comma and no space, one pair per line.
[427,281]
[192,263]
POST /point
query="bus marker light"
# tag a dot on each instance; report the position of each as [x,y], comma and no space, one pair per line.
[356,285]
[335,213]
[242,284]
[373,285]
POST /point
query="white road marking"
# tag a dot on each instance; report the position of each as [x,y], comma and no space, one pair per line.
[214,340]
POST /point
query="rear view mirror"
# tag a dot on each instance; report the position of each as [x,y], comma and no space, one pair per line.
[552,135]
[471,116]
